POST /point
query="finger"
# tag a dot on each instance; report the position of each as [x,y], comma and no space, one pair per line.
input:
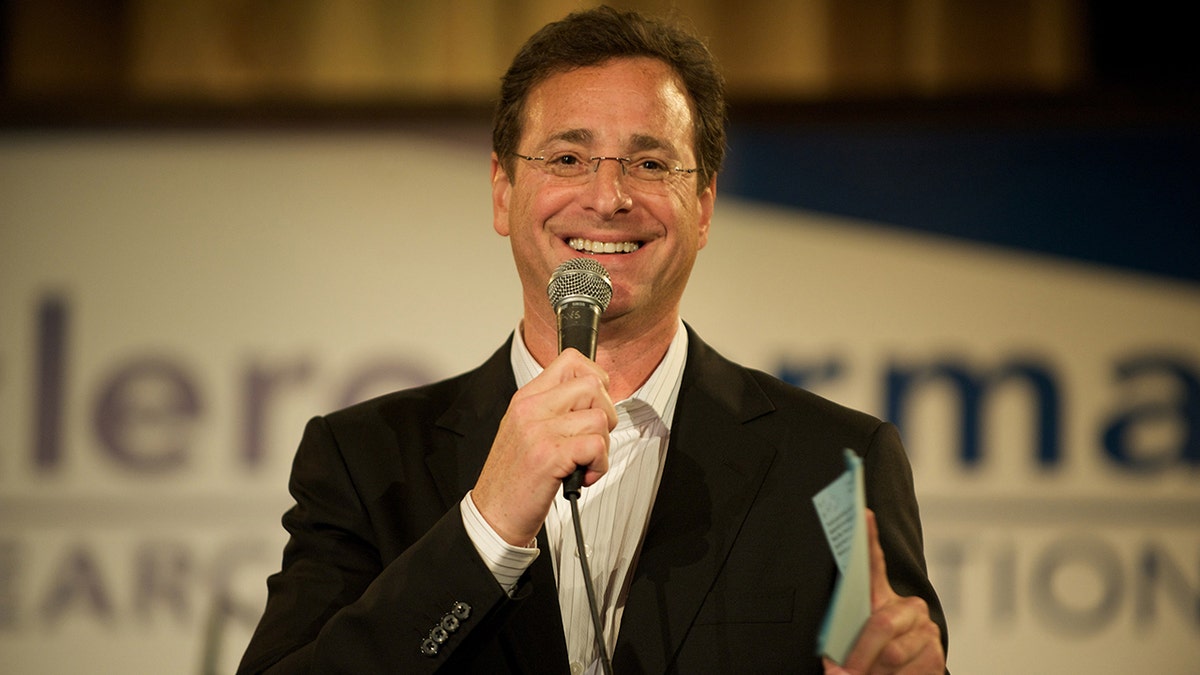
[568,365]
[535,404]
[592,457]
[585,443]
[582,393]
[881,588]
[581,422]
[570,383]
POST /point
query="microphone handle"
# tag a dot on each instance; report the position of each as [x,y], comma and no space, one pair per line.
[578,325]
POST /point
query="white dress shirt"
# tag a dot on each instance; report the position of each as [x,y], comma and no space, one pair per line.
[613,512]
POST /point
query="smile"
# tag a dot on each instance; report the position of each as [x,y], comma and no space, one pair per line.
[589,246]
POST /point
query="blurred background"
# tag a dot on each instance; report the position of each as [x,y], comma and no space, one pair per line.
[218,218]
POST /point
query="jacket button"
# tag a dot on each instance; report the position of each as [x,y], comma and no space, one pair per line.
[461,610]
[429,647]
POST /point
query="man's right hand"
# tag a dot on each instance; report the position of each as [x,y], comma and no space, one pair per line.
[556,422]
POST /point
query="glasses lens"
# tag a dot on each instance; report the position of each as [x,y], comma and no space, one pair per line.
[566,165]
[648,168]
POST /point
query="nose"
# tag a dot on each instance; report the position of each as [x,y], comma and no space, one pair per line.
[606,192]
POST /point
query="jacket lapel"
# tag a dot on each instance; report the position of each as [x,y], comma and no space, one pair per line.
[471,420]
[714,468]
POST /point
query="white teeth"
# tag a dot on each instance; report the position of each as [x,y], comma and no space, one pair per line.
[589,246]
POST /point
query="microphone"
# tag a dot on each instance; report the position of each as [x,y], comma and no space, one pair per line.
[579,291]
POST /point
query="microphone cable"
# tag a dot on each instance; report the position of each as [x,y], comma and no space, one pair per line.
[605,663]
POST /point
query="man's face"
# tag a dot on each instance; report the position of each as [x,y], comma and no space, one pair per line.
[627,107]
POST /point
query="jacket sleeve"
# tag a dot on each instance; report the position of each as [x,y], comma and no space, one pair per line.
[338,606]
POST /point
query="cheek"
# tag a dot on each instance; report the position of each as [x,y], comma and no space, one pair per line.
[682,209]
[532,210]
[520,211]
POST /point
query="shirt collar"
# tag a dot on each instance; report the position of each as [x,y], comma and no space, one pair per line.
[659,392]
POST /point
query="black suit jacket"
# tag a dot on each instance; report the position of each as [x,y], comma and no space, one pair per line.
[734,574]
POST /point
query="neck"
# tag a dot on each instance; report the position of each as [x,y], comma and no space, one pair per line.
[628,351]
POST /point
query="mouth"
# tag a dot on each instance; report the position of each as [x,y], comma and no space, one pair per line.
[589,246]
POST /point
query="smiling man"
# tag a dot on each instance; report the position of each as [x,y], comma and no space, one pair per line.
[430,532]
[628,124]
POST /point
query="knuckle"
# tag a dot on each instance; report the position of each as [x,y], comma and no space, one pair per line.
[522,406]
[933,632]
[600,421]
[918,603]
[883,622]
[598,445]
[892,655]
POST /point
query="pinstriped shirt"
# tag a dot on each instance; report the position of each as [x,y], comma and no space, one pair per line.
[613,512]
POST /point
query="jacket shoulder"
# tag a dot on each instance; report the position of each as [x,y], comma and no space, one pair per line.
[474,390]
[759,394]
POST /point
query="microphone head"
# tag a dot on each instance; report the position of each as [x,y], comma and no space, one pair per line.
[580,280]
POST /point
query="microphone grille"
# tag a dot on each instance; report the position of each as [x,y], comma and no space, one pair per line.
[580,279]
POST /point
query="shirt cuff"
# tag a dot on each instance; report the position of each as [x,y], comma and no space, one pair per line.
[507,562]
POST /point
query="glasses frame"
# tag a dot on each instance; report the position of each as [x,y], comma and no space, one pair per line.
[623,161]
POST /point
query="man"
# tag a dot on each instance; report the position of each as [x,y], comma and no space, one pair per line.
[429,530]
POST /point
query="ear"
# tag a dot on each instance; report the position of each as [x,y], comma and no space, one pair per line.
[707,200]
[501,190]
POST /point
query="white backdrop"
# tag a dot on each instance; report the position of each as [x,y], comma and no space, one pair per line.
[175,305]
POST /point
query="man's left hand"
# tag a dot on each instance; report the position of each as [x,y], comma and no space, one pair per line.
[899,637]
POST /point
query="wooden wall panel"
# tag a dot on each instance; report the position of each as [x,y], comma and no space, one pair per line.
[351,51]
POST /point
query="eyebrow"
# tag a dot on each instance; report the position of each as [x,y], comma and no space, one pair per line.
[638,143]
[644,142]
[580,136]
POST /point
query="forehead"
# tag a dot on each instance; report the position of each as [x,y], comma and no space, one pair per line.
[619,103]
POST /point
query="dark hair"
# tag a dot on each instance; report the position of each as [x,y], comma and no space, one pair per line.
[598,35]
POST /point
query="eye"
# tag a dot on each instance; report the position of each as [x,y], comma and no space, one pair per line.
[649,164]
[649,168]
[564,160]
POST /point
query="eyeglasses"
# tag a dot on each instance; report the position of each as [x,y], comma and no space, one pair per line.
[569,165]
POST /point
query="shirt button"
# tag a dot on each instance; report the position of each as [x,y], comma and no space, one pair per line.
[587,548]
[576,668]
